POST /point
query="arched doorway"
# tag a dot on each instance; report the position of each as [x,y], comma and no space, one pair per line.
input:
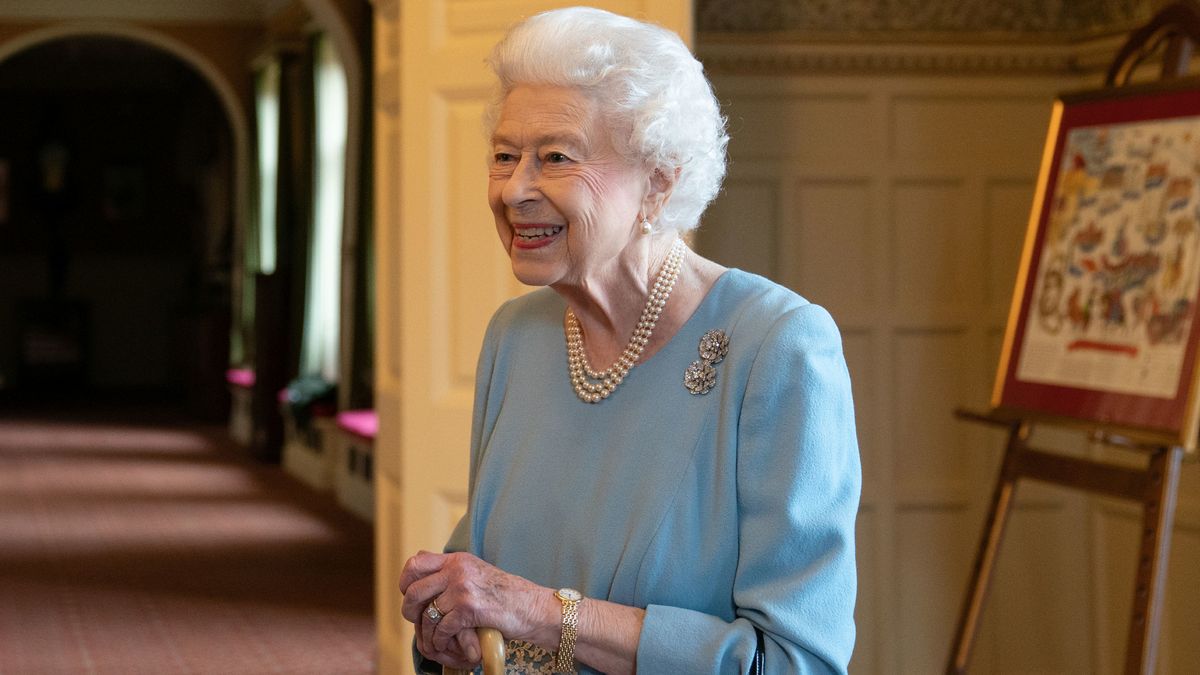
[119,221]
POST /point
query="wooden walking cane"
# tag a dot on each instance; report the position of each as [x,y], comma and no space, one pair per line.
[491,644]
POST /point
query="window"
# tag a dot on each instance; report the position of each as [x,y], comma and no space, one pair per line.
[268,163]
[319,352]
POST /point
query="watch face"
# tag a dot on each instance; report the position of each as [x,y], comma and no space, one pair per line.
[570,594]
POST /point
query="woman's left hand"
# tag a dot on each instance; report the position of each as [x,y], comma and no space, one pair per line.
[471,593]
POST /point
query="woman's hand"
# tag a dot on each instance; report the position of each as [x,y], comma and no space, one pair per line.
[471,593]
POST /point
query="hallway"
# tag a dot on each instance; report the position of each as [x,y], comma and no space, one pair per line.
[149,545]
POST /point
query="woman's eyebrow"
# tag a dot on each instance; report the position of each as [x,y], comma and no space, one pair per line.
[568,139]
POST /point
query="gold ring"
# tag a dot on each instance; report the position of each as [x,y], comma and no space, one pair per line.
[433,613]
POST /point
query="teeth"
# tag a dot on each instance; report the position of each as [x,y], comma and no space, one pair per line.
[538,232]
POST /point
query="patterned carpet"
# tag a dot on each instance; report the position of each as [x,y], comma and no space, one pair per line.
[154,547]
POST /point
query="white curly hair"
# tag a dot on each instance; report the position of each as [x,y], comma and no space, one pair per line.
[662,107]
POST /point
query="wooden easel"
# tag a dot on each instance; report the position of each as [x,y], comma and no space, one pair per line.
[1154,486]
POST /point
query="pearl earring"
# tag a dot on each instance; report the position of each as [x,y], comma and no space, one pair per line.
[647,226]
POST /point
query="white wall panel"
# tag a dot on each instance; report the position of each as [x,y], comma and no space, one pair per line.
[859,348]
[836,243]
[935,251]
[931,559]
[1006,217]
[866,611]
[1039,579]
[966,131]
[990,363]
[1180,650]
[389,558]
[387,209]
[808,128]
[448,508]
[929,446]
[1117,534]
[748,232]
[390,629]
[464,17]
[1118,530]
[475,262]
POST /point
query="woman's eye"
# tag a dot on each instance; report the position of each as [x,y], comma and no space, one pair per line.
[503,157]
[555,157]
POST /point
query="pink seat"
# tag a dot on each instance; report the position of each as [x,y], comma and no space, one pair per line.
[361,423]
[240,377]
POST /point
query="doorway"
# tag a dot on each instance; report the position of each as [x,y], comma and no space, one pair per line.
[116,226]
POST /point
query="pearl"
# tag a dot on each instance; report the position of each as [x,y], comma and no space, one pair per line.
[593,386]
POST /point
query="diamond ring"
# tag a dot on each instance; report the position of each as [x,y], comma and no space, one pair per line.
[433,613]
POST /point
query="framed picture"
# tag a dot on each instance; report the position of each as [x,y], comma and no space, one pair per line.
[1103,328]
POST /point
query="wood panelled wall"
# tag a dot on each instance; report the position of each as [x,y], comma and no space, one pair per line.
[893,186]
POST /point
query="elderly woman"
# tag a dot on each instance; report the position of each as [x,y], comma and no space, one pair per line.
[664,472]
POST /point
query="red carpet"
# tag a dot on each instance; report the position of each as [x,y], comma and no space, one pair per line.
[156,548]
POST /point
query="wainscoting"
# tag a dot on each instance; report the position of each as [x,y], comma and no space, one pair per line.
[893,186]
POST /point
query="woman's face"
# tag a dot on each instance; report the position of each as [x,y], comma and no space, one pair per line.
[566,203]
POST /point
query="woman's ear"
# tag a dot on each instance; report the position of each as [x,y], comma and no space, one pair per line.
[659,186]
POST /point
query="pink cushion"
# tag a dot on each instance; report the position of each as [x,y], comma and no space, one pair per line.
[361,423]
[240,377]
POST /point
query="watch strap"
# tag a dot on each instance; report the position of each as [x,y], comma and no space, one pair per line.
[564,658]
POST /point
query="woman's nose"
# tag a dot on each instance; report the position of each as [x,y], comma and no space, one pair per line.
[521,186]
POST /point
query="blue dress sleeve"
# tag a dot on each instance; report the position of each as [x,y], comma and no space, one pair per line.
[798,483]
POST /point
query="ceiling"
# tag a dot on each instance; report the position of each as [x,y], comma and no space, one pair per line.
[162,10]
[96,64]
[866,20]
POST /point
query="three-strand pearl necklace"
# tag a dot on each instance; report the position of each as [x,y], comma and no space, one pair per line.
[592,386]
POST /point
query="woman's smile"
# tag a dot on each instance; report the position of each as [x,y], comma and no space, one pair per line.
[530,236]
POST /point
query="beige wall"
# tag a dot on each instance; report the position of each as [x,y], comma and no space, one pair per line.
[893,184]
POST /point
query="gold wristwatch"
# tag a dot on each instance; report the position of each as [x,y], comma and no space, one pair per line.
[564,659]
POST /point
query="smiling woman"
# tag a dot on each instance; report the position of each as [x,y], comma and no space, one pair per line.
[661,494]
[565,201]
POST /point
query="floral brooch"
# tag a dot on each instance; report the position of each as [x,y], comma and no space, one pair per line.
[701,377]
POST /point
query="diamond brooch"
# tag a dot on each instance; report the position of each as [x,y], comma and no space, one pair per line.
[700,377]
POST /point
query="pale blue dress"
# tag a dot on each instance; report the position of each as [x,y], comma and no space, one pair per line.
[716,512]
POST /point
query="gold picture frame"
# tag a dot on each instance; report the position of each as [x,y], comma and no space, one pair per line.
[1104,327]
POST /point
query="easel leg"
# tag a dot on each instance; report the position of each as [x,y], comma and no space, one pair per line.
[1157,520]
[989,549]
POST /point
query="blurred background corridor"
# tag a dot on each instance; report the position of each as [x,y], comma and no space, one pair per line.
[133,540]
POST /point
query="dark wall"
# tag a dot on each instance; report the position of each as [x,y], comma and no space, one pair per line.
[118,220]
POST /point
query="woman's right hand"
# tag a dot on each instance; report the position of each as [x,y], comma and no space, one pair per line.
[472,593]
